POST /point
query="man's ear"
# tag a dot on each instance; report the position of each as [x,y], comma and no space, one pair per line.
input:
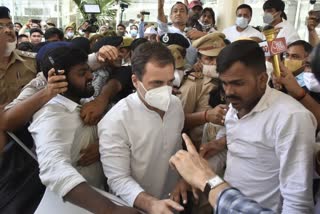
[263,80]
[135,80]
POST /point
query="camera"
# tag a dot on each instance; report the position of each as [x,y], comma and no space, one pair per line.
[123,6]
[145,13]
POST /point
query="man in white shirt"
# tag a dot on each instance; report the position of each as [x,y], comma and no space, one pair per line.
[242,29]
[140,133]
[179,18]
[60,136]
[270,135]
[274,15]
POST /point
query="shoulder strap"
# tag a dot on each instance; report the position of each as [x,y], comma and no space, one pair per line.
[16,139]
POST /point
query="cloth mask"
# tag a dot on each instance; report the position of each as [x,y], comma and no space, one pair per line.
[133,33]
[11,46]
[210,71]
[311,82]
[158,97]
[70,35]
[178,77]
[242,22]
[293,64]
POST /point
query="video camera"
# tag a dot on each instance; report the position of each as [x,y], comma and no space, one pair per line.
[123,6]
[92,10]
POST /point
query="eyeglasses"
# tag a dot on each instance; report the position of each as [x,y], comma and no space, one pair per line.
[9,25]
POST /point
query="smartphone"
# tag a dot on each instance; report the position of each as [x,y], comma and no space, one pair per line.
[56,71]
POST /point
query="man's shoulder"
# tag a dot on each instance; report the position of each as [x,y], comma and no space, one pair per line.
[26,54]
[229,29]
[285,104]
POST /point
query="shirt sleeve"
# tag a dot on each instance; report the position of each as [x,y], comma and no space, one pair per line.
[53,133]
[115,157]
[294,148]
[162,27]
[233,201]
[141,29]
[30,89]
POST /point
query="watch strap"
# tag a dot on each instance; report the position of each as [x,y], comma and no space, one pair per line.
[211,184]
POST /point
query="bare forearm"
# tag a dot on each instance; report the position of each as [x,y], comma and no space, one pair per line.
[109,90]
[194,119]
[86,197]
[313,38]
[161,15]
[22,113]
[144,202]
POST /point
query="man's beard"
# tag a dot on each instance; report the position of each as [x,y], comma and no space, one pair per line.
[86,92]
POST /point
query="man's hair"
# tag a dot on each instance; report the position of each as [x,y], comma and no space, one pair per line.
[22,35]
[245,51]
[64,58]
[244,6]
[306,45]
[18,23]
[51,32]
[25,46]
[208,9]
[133,26]
[121,25]
[35,30]
[179,2]
[150,52]
[135,43]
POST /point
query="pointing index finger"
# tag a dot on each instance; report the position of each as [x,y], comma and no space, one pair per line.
[189,144]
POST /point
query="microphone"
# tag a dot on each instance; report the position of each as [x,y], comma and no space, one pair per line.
[273,47]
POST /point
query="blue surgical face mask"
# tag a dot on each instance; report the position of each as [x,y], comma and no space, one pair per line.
[133,33]
[242,22]
[300,80]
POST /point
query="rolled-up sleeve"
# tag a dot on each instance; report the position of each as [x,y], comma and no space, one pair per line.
[294,149]
[162,27]
[115,157]
[53,134]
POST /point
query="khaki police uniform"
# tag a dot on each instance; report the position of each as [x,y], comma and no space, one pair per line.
[19,71]
[195,93]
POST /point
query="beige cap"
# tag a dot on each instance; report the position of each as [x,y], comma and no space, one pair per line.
[176,50]
[210,44]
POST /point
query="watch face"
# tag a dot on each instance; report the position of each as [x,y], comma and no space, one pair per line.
[213,182]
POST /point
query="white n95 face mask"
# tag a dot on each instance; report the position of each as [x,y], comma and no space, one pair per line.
[210,71]
[311,82]
[178,77]
[242,22]
[158,97]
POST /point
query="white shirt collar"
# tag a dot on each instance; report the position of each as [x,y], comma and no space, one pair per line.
[66,102]
[262,105]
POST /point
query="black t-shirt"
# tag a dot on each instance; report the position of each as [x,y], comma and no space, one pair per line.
[123,75]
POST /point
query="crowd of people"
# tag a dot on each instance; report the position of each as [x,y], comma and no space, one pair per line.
[176,116]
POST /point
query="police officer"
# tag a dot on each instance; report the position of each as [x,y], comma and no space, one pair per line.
[17,68]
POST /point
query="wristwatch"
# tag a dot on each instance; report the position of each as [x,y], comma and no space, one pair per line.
[211,184]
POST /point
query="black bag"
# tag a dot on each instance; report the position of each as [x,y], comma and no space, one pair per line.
[20,187]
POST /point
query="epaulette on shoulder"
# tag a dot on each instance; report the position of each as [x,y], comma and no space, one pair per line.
[195,75]
[26,54]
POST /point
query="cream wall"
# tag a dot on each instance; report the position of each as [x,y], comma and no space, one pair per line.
[226,12]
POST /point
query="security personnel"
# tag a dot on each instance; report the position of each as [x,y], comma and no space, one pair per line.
[196,88]
[17,68]
[178,45]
